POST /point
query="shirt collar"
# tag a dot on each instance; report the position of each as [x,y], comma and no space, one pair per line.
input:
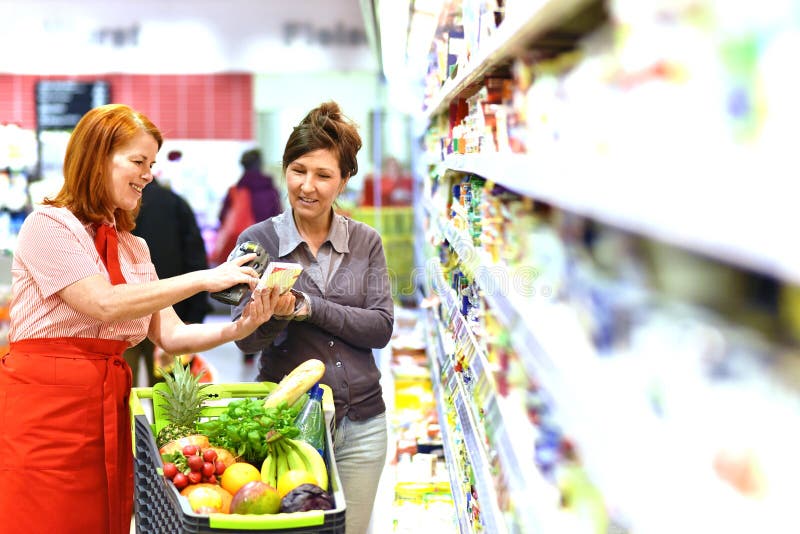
[289,238]
[93,226]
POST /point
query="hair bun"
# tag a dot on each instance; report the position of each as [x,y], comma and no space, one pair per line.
[326,127]
[330,110]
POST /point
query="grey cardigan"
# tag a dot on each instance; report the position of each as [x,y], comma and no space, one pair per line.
[354,317]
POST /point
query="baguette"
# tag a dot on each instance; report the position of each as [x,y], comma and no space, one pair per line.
[296,383]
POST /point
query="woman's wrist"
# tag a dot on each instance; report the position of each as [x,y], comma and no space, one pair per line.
[302,306]
[200,280]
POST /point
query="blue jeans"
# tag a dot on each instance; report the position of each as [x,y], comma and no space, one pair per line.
[359,448]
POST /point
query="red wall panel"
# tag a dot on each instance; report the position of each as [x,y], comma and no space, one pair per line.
[193,106]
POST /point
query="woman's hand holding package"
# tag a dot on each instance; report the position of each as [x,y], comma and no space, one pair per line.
[260,308]
[285,304]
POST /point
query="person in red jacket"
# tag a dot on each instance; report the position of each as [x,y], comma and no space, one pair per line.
[265,201]
[264,197]
[84,290]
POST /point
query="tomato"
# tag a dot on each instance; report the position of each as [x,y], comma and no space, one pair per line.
[195,463]
[189,450]
[170,470]
[209,455]
[180,481]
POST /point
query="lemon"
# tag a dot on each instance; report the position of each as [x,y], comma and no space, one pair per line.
[292,478]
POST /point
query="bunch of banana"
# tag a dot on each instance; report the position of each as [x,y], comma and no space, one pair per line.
[285,454]
[269,469]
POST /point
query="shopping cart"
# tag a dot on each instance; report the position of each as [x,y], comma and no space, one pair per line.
[158,506]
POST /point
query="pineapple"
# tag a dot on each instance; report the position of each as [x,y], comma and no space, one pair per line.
[184,400]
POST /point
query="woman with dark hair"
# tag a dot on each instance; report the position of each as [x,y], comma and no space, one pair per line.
[343,307]
[84,290]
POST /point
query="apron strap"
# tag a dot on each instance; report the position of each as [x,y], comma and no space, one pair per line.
[117,433]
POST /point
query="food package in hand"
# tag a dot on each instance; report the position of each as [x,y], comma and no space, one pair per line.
[281,274]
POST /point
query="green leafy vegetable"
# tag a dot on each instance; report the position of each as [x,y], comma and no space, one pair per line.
[177,458]
[246,428]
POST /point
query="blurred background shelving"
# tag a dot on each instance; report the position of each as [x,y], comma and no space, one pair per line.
[605,268]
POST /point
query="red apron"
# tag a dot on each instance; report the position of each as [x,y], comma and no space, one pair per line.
[65,437]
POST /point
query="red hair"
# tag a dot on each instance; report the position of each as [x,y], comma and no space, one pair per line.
[97,135]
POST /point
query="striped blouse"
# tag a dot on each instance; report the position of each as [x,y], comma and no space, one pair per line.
[54,250]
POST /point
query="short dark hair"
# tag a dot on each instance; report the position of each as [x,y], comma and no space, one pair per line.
[250,158]
[325,127]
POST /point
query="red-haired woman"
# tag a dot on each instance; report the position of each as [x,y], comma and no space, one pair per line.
[84,290]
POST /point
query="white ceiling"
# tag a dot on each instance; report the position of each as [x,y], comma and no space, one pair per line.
[183,36]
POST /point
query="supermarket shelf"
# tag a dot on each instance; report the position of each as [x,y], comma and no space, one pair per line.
[435,354]
[419,245]
[515,454]
[525,482]
[514,315]
[492,518]
[527,23]
[728,237]
[601,403]
[530,175]
[555,351]
[545,335]
[539,329]
[630,190]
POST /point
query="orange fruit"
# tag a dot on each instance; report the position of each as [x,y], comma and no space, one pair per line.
[292,478]
[237,475]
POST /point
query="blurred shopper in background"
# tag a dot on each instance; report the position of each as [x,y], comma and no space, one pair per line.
[256,189]
[266,201]
[343,302]
[252,199]
[169,226]
[396,185]
[84,290]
